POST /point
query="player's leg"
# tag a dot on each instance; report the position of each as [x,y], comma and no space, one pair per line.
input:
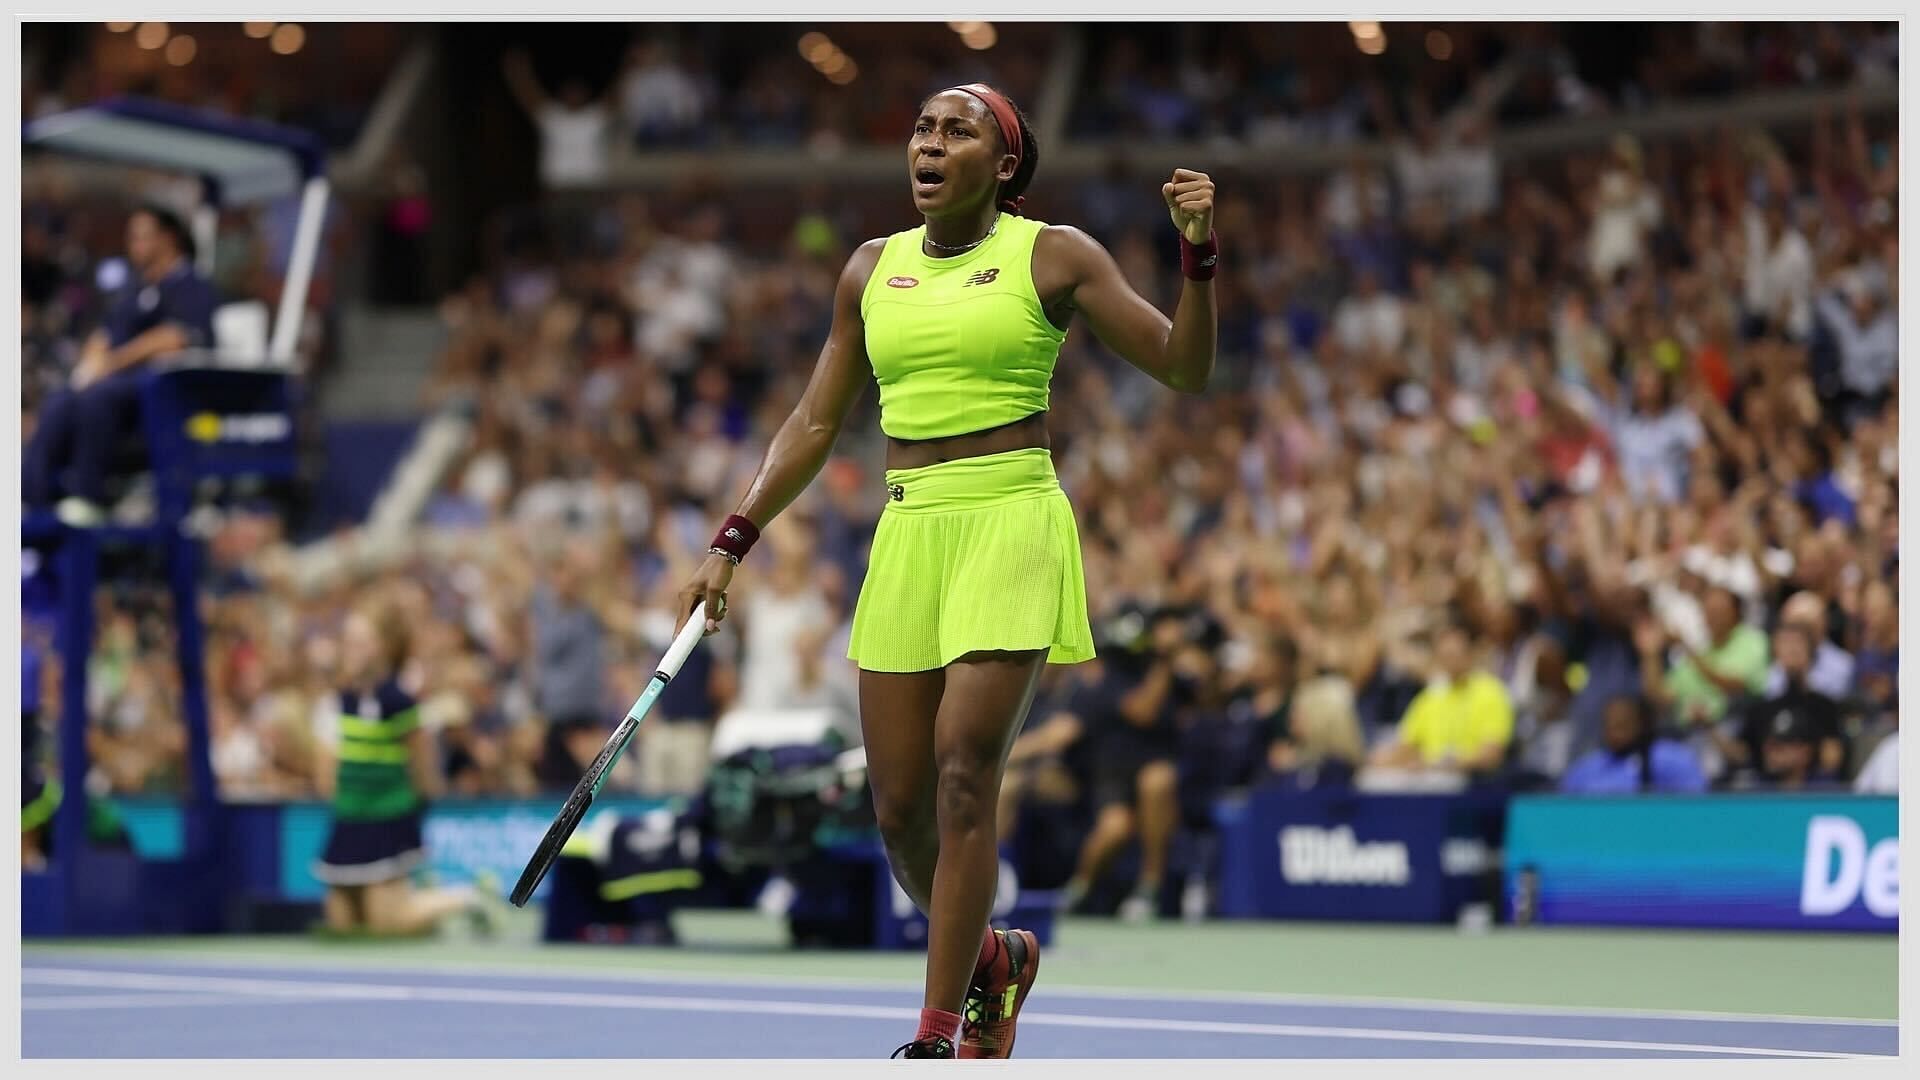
[986,699]
[897,712]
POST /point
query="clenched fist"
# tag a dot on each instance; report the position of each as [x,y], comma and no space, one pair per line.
[1189,198]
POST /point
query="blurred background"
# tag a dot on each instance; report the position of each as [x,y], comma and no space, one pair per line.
[1551,455]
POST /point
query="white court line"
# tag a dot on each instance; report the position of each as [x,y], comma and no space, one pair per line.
[696,978]
[68,1002]
[127,980]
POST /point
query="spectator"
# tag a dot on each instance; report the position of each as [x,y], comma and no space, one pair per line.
[788,606]
[1794,705]
[673,752]
[1700,684]
[1626,210]
[1371,321]
[1325,748]
[1462,721]
[573,129]
[569,665]
[1832,671]
[1866,333]
[1656,436]
[1779,272]
[1876,669]
[401,261]
[659,102]
[165,307]
[1632,758]
[1790,754]
[1355,196]
[1543,726]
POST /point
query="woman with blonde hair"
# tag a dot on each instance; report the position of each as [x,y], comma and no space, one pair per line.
[1325,747]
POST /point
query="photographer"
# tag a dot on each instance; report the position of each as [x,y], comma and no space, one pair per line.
[1136,742]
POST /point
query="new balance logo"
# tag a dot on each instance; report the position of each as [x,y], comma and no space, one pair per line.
[734,534]
[896,493]
[982,277]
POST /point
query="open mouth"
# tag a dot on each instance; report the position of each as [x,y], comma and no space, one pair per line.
[927,178]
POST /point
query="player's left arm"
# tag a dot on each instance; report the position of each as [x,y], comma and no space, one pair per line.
[1177,352]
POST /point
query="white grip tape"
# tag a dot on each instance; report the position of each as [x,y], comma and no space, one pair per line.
[682,646]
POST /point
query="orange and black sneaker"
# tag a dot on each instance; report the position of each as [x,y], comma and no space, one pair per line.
[999,988]
[933,1046]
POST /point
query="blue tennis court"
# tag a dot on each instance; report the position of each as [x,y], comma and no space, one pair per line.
[102,1006]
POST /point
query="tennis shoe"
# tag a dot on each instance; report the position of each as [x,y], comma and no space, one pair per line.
[932,1046]
[999,989]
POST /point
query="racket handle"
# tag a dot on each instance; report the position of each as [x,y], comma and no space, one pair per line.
[682,646]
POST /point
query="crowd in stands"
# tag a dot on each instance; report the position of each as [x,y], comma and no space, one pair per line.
[1576,477]
[1291,84]
[1309,83]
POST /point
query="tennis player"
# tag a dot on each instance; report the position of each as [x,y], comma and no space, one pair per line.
[975,577]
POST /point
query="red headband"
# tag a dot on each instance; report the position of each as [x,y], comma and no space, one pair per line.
[1009,122]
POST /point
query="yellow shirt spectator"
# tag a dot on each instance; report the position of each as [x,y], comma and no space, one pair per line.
[1455,720]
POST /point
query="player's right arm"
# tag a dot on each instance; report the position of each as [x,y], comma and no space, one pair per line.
[802,444]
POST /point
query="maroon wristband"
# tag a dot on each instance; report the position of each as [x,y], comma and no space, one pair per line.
[735,538]
[1198,261]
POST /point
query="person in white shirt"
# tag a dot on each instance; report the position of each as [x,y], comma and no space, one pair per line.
[1370,320]
[1832,670]
[573,129]
[1867,333]
[1355,195]
[1779,272]
[659,101]
[790,608]
[1627,209]
[1655,439]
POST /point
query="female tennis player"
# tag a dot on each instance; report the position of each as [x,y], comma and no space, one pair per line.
[975,576]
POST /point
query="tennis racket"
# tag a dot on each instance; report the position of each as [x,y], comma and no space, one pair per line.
[589,786]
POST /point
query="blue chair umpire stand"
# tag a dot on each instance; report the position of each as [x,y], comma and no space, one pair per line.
[211,418]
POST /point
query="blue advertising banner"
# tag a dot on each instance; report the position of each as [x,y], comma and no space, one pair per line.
[1799,862]
[1287,854]
[462,838]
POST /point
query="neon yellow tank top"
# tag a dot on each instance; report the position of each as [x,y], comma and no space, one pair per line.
[961,344]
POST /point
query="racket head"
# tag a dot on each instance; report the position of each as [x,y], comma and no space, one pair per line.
[571,812]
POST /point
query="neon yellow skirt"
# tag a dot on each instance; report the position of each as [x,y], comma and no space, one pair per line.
[971,555]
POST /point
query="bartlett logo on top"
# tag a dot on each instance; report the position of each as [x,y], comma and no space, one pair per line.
[1841,869]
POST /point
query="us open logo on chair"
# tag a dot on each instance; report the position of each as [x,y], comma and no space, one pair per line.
[255,428]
